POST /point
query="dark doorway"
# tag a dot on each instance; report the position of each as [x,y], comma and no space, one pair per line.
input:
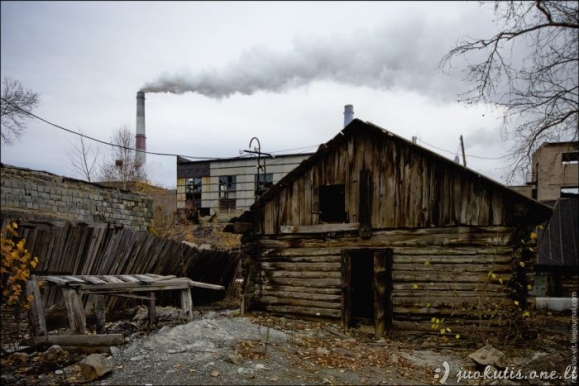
[367,288]
[362,292]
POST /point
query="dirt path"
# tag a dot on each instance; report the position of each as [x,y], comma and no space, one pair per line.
[221,347]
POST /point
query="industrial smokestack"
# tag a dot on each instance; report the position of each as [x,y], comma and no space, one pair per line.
[348,114]
[140,138]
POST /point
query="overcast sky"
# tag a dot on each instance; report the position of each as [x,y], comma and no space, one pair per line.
[217,74]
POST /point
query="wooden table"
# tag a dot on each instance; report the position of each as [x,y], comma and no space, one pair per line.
[73,286]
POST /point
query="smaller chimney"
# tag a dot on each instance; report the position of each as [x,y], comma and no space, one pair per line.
[348,114]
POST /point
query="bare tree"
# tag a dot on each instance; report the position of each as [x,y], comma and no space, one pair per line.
[120,166]
[537,91]
[16,103]
[84,158]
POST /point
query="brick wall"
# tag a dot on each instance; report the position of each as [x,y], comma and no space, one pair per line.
[35,195]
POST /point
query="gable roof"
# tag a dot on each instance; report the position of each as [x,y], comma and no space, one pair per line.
[542,211]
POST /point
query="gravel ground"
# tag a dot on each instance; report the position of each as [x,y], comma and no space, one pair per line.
[224,348]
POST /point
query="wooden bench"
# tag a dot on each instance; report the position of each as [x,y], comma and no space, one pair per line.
[73,286]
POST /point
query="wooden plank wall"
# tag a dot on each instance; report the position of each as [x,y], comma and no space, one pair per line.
[410,189]
[64,248]
[439,272]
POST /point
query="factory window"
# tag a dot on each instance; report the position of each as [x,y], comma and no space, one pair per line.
[193,188]
[193,192]
[227,192]
[262,183]
[332,204]
[570,158]
[570,192]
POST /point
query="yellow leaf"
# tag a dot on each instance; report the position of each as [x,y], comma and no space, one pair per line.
[457,336]
[414,286]
[516,302]
[433,320]
[522,263]
[526,314]
[443,331]
[529,287]
[427,263]
[501,280]
[533,236]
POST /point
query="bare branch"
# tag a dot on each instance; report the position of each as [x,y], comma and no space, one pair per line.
[16,102]
[538,92]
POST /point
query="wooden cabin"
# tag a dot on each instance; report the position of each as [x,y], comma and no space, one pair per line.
[375,229]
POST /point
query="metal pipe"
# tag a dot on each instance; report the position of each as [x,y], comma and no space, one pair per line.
[348,114]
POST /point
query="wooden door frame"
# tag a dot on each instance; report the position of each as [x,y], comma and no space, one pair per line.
[382,287]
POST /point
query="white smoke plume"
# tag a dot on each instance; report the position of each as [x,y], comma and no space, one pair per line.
[399,57]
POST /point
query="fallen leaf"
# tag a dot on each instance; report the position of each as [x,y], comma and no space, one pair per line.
[215,374]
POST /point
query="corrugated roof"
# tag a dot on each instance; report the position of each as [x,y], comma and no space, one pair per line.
[557,244]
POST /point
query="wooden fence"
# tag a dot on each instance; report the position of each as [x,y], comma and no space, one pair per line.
[65,248]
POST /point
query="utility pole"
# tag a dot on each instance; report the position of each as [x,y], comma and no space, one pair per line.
[462,147]
[257,150]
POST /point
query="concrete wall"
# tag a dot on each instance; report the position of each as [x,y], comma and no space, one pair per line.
[35,195]
[550,173]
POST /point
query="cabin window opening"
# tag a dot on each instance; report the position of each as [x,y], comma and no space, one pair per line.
[571,158]
[262,183]
[332,204]
[227,188]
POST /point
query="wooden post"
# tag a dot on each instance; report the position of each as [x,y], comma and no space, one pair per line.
[36,311]
[379,285]
[346,295]
[152,309]
[75,311]
[99,308]
[187,303]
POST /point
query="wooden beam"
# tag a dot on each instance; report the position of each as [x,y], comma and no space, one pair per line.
[36,311]
[99,308]
[187,304]
[152,309]
[79,340]
[320,228]
[74,311]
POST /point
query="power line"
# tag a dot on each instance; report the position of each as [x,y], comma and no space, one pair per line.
[112,144]
[198,157]
[470,155]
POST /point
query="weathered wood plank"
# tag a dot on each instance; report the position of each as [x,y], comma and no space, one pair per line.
[301,289]
[301,266]
[319,228]
[302,274]
[451,269]
[36,310]
[75,311]
[99,307]
[82,340]
[298,295]
[307,311]
[298,282]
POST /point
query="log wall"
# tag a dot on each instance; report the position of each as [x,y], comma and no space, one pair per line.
[441,272]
